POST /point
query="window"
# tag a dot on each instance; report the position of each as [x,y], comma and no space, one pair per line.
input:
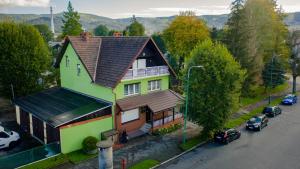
[154,85]
[67,61]
[129,115]
[131,89]
[3,135]
[78,69]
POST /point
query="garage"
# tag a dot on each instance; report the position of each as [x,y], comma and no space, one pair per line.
[24,121]
[38,128]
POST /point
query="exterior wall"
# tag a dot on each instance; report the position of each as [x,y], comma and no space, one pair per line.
[119,90]
[18,114]
[131,125]
[71,136]
[83,82]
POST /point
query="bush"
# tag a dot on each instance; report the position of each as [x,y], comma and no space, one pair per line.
[89,144]
[170,129]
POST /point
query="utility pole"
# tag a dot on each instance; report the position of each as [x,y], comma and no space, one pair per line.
[187,102]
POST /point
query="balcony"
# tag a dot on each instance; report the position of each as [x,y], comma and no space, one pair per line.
[146,72]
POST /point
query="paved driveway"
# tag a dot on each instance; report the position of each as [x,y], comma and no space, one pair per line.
[275,147]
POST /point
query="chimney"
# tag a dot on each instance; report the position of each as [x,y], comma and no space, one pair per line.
[85,36]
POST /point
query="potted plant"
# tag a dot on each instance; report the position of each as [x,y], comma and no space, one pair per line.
[89,145]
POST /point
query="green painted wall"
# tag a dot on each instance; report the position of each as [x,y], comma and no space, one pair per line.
[119,90]
[83,82]
[71,138]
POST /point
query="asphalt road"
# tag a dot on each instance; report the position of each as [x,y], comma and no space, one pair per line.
[276,147]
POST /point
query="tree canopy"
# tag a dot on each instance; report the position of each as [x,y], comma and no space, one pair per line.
[183,34]
[215,90]
[135,28]
[273,73]
[255,30]
[44,31]
[101,30]
[71,22]
[24,57]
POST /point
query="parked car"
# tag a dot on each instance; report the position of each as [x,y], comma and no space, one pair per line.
[272,111]
[257,123]
[8,139]
[289,99]
[226,136]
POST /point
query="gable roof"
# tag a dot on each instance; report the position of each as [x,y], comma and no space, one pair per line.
[107,59]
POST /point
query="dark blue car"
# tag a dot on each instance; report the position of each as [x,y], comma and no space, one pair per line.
[289,99]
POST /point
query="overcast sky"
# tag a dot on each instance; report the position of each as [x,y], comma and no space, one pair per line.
[126,8]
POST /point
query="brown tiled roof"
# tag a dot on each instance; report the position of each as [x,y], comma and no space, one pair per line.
[117,54]
[156,101]
[107,59]
[88,50]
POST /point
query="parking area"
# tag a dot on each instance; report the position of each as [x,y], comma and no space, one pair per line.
[7,120]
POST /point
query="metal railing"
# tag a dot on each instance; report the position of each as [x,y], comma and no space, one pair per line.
[145,72]
[166,120]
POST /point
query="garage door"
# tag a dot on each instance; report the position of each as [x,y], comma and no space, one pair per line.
[38,128]
[24,121]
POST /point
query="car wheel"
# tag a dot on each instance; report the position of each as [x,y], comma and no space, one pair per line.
[12,144]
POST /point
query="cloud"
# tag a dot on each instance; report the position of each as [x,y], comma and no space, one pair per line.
[37,3]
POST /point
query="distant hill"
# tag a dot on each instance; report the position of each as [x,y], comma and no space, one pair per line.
[152,25]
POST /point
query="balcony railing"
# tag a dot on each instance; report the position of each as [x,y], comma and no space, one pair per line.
[169,119]
[149,71]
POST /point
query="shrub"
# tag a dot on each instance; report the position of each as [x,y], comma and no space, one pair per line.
[89,144]
[170,129]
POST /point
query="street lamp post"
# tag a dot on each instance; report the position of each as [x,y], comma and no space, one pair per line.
[186,101]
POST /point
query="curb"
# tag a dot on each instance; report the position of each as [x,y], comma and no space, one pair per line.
[179,155]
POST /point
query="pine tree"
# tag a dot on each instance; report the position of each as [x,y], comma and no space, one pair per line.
[273,73]
[71,22]
[135,28]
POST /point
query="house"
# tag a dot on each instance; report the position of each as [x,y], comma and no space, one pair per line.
[108,85]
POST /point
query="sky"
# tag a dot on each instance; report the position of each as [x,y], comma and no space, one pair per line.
[127,8]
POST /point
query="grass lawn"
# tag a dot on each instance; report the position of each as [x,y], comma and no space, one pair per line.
[146,164]
[239,121]
[191,143]
[78,156]
[261,94]
[48,163]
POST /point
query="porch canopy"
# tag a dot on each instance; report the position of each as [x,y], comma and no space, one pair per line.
[156,101]
[59,106]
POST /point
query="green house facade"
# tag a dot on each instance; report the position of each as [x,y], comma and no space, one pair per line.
[108,85]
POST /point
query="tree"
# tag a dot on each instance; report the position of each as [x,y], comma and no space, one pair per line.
[273,73]
[135,28]
[157,37]
[215,90]
[45,32]
[24,57]
[295,57]
[101,30]
[71,22]
[183,34]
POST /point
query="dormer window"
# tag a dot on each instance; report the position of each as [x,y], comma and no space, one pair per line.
[78,69]
[67,61]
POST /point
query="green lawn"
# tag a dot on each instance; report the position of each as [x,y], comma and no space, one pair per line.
[261,94]
[78,156]
[146,164]
[191,143]
[47,163]
[242,119]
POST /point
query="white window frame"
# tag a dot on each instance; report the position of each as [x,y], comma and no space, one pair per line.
[130,115]
[132,89]
[154,85]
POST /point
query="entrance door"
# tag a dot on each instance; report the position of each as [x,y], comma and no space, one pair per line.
[38,128]
[24,121]
[52,134]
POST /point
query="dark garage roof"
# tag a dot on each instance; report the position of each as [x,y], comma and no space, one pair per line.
[58,106]
[156,101]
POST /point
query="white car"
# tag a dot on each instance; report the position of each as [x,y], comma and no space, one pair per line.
[8,138]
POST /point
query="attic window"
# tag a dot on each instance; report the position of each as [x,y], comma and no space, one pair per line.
[78,69]
[67,61]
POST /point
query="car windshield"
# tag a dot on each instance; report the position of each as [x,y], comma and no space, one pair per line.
[288,97]
[255,120]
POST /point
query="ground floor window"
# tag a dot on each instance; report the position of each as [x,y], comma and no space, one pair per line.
[129,115]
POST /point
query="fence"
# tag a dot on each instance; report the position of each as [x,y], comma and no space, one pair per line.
[29,156]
